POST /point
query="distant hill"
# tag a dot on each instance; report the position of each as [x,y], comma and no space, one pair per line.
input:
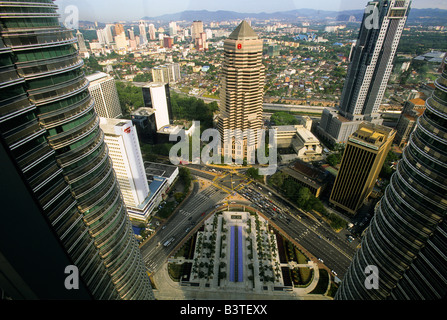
[417,16]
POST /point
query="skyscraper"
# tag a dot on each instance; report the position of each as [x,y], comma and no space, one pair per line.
[143,33]
[196,29]
[242,89]
[81,42]
[124,149]
[157,97]
[407,238]
[167,73]
[172,28]
[369,70]
[102,88]
[119,29]
[362,161]
[151,32]
[55,151]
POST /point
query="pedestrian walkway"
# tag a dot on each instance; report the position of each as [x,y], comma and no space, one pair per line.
[167,289]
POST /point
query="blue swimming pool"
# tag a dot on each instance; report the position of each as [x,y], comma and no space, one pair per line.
[236,258]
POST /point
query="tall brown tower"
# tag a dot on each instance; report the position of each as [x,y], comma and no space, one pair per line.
[242,88]
[362,161]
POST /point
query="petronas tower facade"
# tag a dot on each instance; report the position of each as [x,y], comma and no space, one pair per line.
[407,238]
[50,132]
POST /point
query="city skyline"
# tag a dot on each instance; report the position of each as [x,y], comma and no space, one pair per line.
[137,9]
[90,118]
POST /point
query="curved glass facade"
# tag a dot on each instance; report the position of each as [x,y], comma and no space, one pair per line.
[407,237]
[47,118]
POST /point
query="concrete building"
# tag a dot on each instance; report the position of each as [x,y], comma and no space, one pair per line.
[196,29]
[152,31]
[307,146]
[157,97]
[407,236]
[103,90]
[361,164]
[368,72]
[406,124]
[143,33]
[307,176]
[81,45]
[124,149]
[298,142]
[242,88]
[168,73]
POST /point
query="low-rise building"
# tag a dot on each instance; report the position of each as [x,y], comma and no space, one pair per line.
[307,176]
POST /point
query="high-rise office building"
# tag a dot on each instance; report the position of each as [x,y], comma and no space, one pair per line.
[172,28]
[119,29]
[100,33]
[143,33]
[242,87]
[362,161]
[108,31]
[196,29]
[81,42]
[168,73]
[168,42]
[152,32]
[124,150]
[157,97]
[369,70]
[102,88]
[59,171]
[407,237]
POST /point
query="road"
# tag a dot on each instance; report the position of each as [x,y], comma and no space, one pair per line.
[309,231]
[315,235]
[189,216]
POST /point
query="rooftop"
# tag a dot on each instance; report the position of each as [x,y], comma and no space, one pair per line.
[371,135]
[97,76]
[159,169]
[143,112]
[243,32]
[418,102]
[108,125]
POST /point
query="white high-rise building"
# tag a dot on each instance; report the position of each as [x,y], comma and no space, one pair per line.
[100,33]
[108,33]
[152,32]
[143,34]
[156,96]
[172,28]
[103,90]
[124,150]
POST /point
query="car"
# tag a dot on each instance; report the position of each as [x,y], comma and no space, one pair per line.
[335,273]
[321,260]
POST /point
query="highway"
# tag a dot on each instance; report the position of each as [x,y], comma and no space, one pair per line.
[181,223]
[309,231]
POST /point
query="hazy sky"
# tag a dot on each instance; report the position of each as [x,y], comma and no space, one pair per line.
[114,10]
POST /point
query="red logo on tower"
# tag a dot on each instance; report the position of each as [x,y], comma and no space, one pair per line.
[127,130]
[239,46]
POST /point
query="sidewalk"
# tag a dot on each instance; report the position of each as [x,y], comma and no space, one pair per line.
[167,289]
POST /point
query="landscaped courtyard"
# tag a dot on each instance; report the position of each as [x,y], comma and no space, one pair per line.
[239,250]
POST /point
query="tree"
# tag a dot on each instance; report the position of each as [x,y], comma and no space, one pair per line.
[334,159]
